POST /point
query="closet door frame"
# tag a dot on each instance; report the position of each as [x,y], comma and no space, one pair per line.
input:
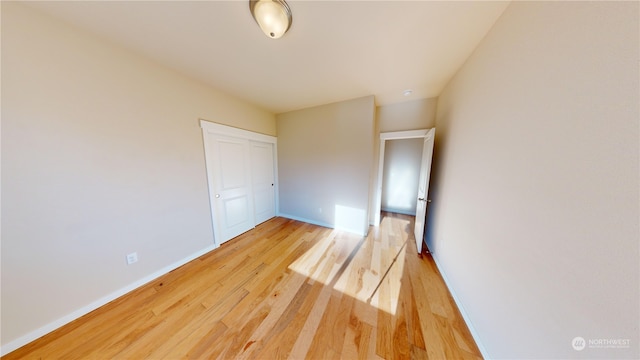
[210,129]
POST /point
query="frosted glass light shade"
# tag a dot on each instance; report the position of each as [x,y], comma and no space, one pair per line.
[273,16]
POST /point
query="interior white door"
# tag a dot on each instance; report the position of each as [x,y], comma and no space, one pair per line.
[262,165]
[423,188]
[232,196]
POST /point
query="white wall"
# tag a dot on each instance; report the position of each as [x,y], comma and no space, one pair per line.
[325,157]
[102,155]
[536,208]
[408,115]
[402,161]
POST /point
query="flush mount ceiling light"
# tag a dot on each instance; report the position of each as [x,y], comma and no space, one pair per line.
[273,16]
[407,92]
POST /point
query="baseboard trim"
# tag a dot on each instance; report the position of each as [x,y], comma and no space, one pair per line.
[297,218]
[44,330]
[400,212]
[330,226]
[465,316]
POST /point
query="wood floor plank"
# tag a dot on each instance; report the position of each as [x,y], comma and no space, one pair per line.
[186,337]
[323,338]
[236,340]
[285,289]
[279,342]
[309,329]
[282,299]
[384,344]
[412,316]
[198,351]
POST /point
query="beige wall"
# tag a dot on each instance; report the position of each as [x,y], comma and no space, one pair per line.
[400,176]
[102,155]
[535,211]
[325,155]
[409,115]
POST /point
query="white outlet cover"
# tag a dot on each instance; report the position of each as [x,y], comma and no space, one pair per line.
[132,258]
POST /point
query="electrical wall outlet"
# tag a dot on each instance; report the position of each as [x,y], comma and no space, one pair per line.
[132,258]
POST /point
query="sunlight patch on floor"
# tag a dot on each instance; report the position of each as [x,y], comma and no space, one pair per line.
[367,269]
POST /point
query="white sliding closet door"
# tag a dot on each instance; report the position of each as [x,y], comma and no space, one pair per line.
[262,165]
[241,172]
[232,195]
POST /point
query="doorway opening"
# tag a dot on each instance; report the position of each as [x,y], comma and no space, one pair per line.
[405,176]
[400,176]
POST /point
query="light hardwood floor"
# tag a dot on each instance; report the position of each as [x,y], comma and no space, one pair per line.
[286,289]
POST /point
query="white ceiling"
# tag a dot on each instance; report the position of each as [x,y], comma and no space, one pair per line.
[335,50]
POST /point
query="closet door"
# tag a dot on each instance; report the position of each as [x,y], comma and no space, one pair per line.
[242,178]
[231,198]
[262,165]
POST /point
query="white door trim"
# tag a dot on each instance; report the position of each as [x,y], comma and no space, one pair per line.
[395,135]
[214,128]
[210,128]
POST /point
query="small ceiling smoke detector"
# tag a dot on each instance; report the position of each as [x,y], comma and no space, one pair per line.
[407,92]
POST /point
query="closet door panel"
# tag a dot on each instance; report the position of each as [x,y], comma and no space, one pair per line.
[262,170]
[232,197]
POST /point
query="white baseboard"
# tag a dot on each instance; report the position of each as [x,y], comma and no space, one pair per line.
[25,339]
[400,212]
[465,316]
[330,226]
[297,218]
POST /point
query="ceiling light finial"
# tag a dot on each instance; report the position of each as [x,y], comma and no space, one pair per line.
[273,16]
